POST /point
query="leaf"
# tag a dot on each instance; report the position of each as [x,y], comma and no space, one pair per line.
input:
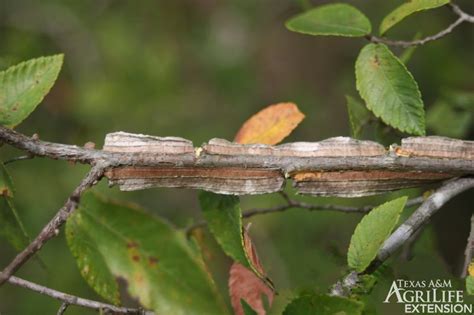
[444,120]
[11,227]
[247,309]
[470,285]
[270,125]
[359,116]
[162,270]
[372,231]
[24,86]
[244,285]
[470,279]
[407,9]
[389,90]
[224,219]
[338,19]
[323,305]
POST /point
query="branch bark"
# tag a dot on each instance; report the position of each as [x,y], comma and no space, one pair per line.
[422,215]
[52,228]
[406,230]
[69,299]
[337,166]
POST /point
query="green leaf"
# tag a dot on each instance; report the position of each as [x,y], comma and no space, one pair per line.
[224,219]
[332,19]
[23,87]
[248,310]
[444,120]
[389,90]
[162,270]
[470,285]
[359,116]
[11,227]
[407,9]
[371,232]
[323,305]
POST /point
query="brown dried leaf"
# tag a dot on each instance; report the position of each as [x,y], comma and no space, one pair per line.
[270,125]
[244,284]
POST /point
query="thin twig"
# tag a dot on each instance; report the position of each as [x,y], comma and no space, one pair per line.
[62,309]
[469,252]
[295,204]
[406,230]
[52,228]
[407,250]
[69,299]
[19,158]
[456,9]
[463,17]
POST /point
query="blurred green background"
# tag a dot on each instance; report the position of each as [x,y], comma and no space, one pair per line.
[198,69]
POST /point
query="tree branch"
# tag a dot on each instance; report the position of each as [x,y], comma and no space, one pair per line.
[52,228]
[422,215]
[69,299]
[295,204]
[462,17]
[336,166]
[469,252]
[406,230]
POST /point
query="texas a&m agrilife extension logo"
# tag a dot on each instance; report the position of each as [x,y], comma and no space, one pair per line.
[428,297]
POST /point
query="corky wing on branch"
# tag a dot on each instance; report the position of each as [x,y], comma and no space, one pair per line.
[334,167]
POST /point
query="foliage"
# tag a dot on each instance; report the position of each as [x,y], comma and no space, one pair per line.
[323,305]
[12,227]
[160,268]
[406,9]
[370,233]
[24,86]
[396,98]
[332,19]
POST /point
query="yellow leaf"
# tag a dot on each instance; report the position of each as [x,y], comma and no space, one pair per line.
[471,269]
[270,125]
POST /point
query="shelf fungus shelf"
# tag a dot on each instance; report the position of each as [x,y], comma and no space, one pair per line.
[338,166]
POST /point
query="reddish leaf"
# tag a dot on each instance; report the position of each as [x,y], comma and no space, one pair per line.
[245,285]
[270,125]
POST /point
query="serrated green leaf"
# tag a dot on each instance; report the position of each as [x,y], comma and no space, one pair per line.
[359,116]
[407,9]
[444,120]
[389,89]
[470,285]
[323,305]
[372,231]
[160,267]
[248,310]
[23,87]
[332,19]
[365,285]
[11,227]
[224,219]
